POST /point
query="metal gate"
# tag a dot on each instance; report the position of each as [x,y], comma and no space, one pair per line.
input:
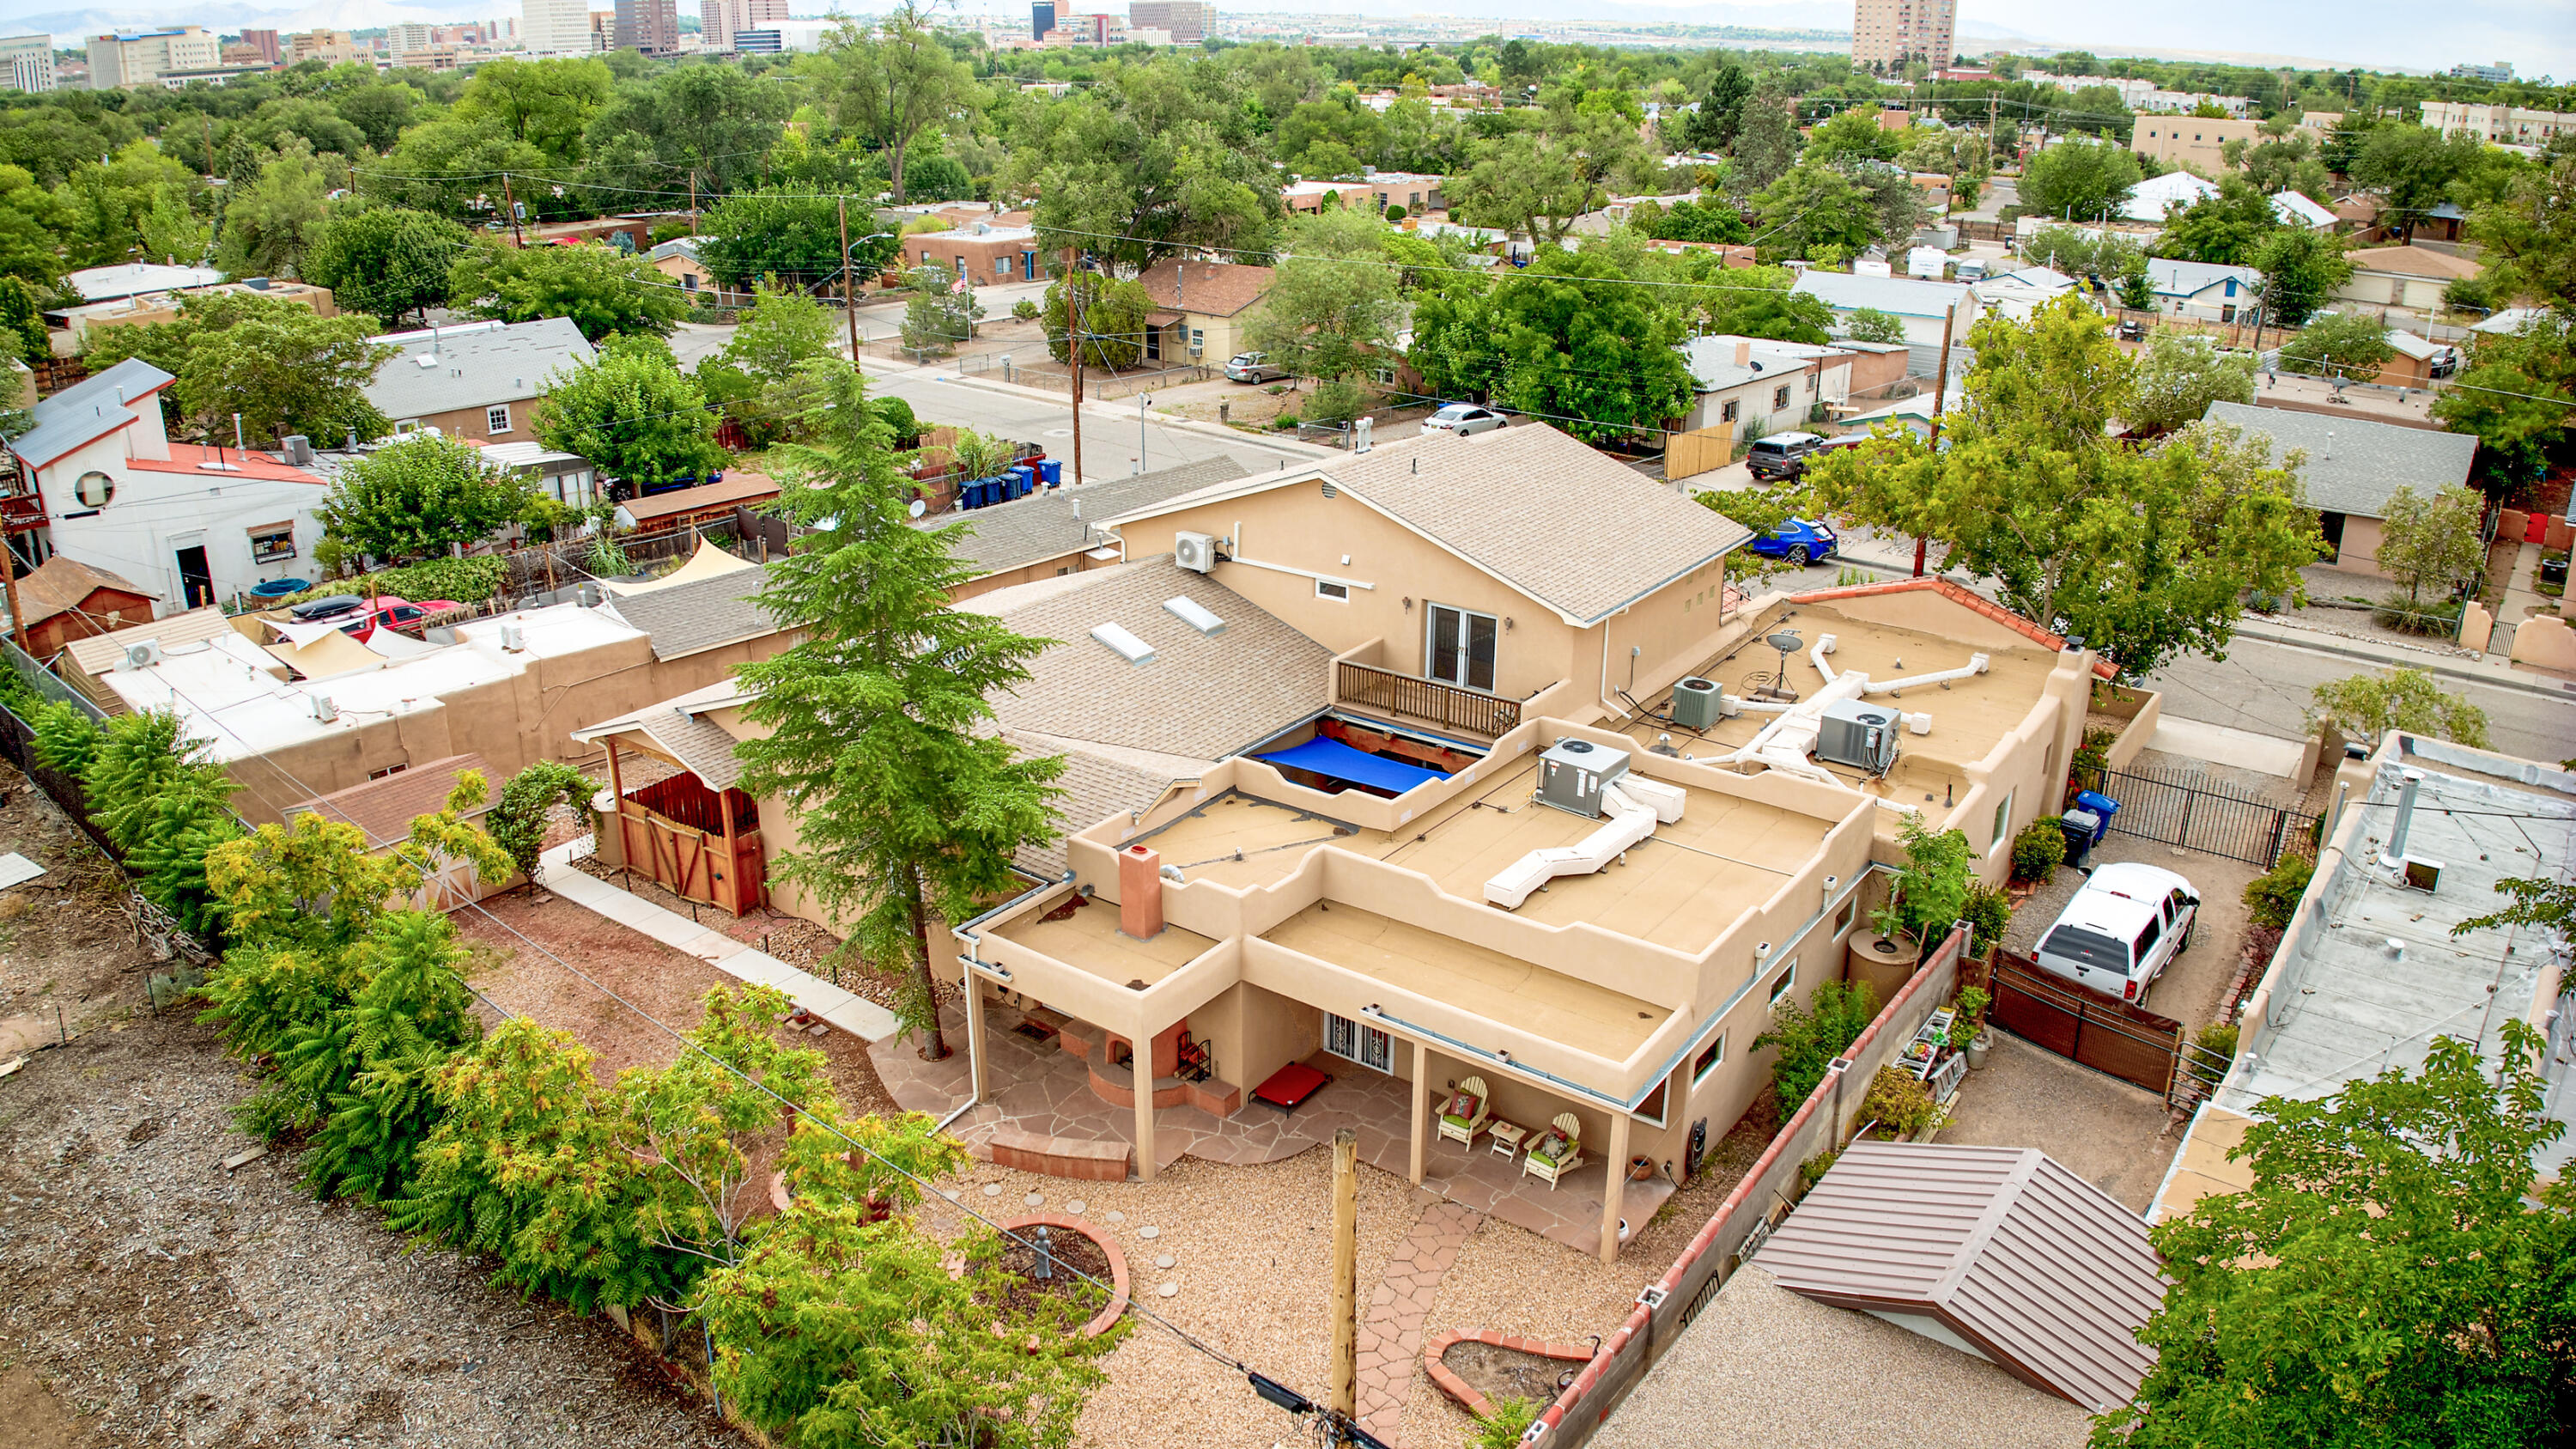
[2194,815]
[2086,1026]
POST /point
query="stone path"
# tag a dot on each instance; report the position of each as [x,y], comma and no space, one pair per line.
[1390,1344]
[851,1013]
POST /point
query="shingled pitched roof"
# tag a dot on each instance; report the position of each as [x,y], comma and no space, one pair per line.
[1209,289]
[1044,525]
[61,583]
[688,619]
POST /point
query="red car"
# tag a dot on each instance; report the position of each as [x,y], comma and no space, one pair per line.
[360,622]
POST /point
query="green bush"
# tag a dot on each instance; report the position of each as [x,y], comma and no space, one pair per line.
[2274,895]
[66,740]
[898,417]
[1900,1103]
[1988,913]
[1503,1428]
[1025,310]
[1338,402]
[1810,1037]
[2038,851]
[2433,620]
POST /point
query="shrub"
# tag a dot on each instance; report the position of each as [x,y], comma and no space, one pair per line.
[66,741]
[1503,1428]
[1025,309]
[1900,1103]
[2434,620]
[1932,888]
[2091,758]
[2274,895]
[1813,1170]
[1988,913]
[1395,213]
[517,821]
[1338,402]
[2218,1039]
[2038,851]
[898,417]
[1810,1037]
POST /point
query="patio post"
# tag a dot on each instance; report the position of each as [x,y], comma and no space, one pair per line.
[975,1044]
[616,806]
[1140,1067]
[1421,1094]
[733,885]
[1614,1188]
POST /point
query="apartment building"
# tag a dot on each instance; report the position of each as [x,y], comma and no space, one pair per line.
[131,58]
[264,44]
[27,63]
[2499,125]
[555,27]
[2200,140]
[331,47]
[651,26]
[720,20]
[1888,33]
[1187,21]
[1381,788]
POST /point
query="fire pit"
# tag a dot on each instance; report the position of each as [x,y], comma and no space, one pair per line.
[1073,1247]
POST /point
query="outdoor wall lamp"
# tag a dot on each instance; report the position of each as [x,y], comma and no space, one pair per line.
[1507,623]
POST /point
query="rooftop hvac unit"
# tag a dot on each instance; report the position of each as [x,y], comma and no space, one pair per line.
[143,655]
[1698,704]
[297,448]
[1194,551]
[1572,774]
[1860,735]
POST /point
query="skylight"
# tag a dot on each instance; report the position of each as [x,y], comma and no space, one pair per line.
[1123,644]
[1193,613]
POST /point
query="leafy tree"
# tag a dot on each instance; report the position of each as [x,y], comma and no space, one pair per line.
[789,237]
[2394,1275]
[137,202]
[601,289]
[1531,185]
[419,495]
[2547,906]
[2224,230]
[22,320]
[632,413]
[2431,540]
[2078,180]
[1714,222]
[892,81]
[1333,309]
[781,333]
[164,809]
[384,259]
[1818,213]
[1562,342]
[2529,235]
[367,1069]
[939,311]
[2179,376]
[2287,161]
[30,230]
[1810,1036]
[1931,888]
[283,370]
[1713,126]
[1767,145]
[2142,553]
[545,103]
[2338,345]
[1113,319]
[880,735]
[2515,397]
[2301,268]
[1868,324]
[713,124]
[2413,167]
[2098,111]
[1852,135]
[2368,706]
[270,224]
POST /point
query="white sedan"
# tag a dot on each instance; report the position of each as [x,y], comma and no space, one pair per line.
[1462,419]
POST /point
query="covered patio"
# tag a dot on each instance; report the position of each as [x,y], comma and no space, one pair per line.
[1037,1089]
[691,832]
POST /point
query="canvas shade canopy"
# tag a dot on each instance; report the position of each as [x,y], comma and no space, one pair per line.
[1337,761]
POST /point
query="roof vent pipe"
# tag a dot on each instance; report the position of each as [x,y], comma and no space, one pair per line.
[2414,781]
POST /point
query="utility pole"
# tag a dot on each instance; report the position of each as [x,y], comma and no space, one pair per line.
[510,199]
[1142,402]
[1346,1286]
[693,214]
[1073,349]
[1940,395]
[849,304]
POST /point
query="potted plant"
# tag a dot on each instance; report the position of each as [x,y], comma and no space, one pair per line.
[1968,1029]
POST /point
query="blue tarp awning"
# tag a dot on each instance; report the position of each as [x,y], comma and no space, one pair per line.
[1335,760]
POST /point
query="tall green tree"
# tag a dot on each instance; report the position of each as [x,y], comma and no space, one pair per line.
[1112,314]
[2430,540]
[1766,145]
[2517,394]
[545,103]
[2078,180]
[1333,309]
[939,312]
[2394,1275]
[2413,168]
[2143,554]
[601,289]
[789,236]
[270,224]
[1713,126]
[632,413]
[2175,380]
[384,259]
[2225,230]
[1817,213]
[782,332]
[2344,345]
[2529,234]
[892,80]
[909,803]
[417,496]
[1562,341]
[2367,706]
[2301,269]
[282,368]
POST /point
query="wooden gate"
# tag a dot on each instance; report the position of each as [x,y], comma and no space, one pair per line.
[2086,1026]
[693,863]
[1687,455]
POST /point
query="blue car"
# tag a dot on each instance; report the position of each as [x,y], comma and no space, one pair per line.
[1798,540]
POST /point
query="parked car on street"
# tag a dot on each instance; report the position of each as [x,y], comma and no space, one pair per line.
[1794,458]
[1801,541]
[2132,330]
[1252,367]
[1462,419]
[2121,930]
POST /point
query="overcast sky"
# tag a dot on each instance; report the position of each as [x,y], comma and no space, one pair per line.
[2538,36]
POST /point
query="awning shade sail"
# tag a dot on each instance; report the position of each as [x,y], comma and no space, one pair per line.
[1338,761]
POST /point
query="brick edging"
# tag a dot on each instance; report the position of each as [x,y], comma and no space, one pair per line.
[1118,1296]
[1457,1388]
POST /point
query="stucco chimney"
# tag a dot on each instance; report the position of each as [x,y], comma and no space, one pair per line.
[1140,892]
[1744,354]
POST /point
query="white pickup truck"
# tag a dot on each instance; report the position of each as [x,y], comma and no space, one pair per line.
[2122,930]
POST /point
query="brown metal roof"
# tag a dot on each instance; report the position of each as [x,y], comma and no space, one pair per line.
[384,809]
[62,583]
[2039,1271]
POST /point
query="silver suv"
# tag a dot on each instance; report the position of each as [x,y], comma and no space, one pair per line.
[1252,367]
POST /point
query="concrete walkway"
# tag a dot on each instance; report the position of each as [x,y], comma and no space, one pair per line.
[854,1014]
[1390,1337]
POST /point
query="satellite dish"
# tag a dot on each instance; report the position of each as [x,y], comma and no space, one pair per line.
[1786,641]
[918,508]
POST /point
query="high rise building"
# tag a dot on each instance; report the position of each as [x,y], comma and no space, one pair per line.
[327,46]
[719,21]
[555,27]
[27,63]
[1041,18]
[405,36]
[1189,21]
[1888,33]
[132,58]
[265,42]
[651,26]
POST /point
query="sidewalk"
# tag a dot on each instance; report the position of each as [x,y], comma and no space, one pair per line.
[2487,669]
[856,1015]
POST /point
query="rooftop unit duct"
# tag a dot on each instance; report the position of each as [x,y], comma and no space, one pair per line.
[1634,805]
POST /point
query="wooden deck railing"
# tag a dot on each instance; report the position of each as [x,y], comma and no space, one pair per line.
[1429,699]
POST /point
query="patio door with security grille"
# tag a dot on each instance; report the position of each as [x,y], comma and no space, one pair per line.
[1459,647]
[1353,1042]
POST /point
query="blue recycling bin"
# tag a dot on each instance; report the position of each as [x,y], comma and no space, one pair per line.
[1023,478]
[1051,471]
[970,493]
[2101,807]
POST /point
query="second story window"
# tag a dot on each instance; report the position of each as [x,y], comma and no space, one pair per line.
[497,419]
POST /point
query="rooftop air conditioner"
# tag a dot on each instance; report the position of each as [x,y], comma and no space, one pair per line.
[1698,704]
[1194,551]
[1572,774]
[297,448]
[143,655]
[1860,735]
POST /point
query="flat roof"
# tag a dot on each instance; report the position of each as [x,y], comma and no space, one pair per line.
[1089,938]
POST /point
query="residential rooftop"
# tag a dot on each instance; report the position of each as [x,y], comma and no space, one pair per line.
[2355,465]
[474,364]
[1067,520]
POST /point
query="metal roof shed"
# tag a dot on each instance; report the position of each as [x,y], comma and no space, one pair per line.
[1997,1251]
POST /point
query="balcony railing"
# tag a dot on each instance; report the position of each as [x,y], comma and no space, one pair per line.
[20,512]
[1429,699]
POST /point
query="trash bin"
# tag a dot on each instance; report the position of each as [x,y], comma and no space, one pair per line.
[2554,571]
[1052,471]
[2082,828]
[2100,806]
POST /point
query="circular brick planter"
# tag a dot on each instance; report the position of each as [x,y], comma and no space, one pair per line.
[1107,1317]
[1458,1388]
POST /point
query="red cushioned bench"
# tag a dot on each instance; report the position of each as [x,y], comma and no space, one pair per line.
[1289,1087]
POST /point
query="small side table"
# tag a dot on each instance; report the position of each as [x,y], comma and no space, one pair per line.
[1507,1137]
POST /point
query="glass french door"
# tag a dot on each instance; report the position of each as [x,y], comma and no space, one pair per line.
[1353,1042]
[1460,647]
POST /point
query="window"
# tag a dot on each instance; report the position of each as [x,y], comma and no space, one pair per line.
[1353,1042]
[497,419]
[1458,646]
[270,542]
[1382,376]
[1711,1057]
[2003,823]
[387,771]
[961,265]
[1780,396]
[1811,384]
[95,489]
[688,281]
[1843,918]
[1198,339]
[2148,938]
[1002,267]
[1327,589]
[1726,414]
[1781,983]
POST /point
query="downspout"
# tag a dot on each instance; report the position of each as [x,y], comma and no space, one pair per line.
[968,963]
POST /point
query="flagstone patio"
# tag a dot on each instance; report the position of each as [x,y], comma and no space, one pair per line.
[1037,1087]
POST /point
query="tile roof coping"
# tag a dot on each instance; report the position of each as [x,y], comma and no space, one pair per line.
[1965,598]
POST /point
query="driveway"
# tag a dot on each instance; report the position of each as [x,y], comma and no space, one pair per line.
[2111,1134]
[2189,990]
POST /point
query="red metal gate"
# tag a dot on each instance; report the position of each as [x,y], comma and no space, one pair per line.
[2086,1026]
